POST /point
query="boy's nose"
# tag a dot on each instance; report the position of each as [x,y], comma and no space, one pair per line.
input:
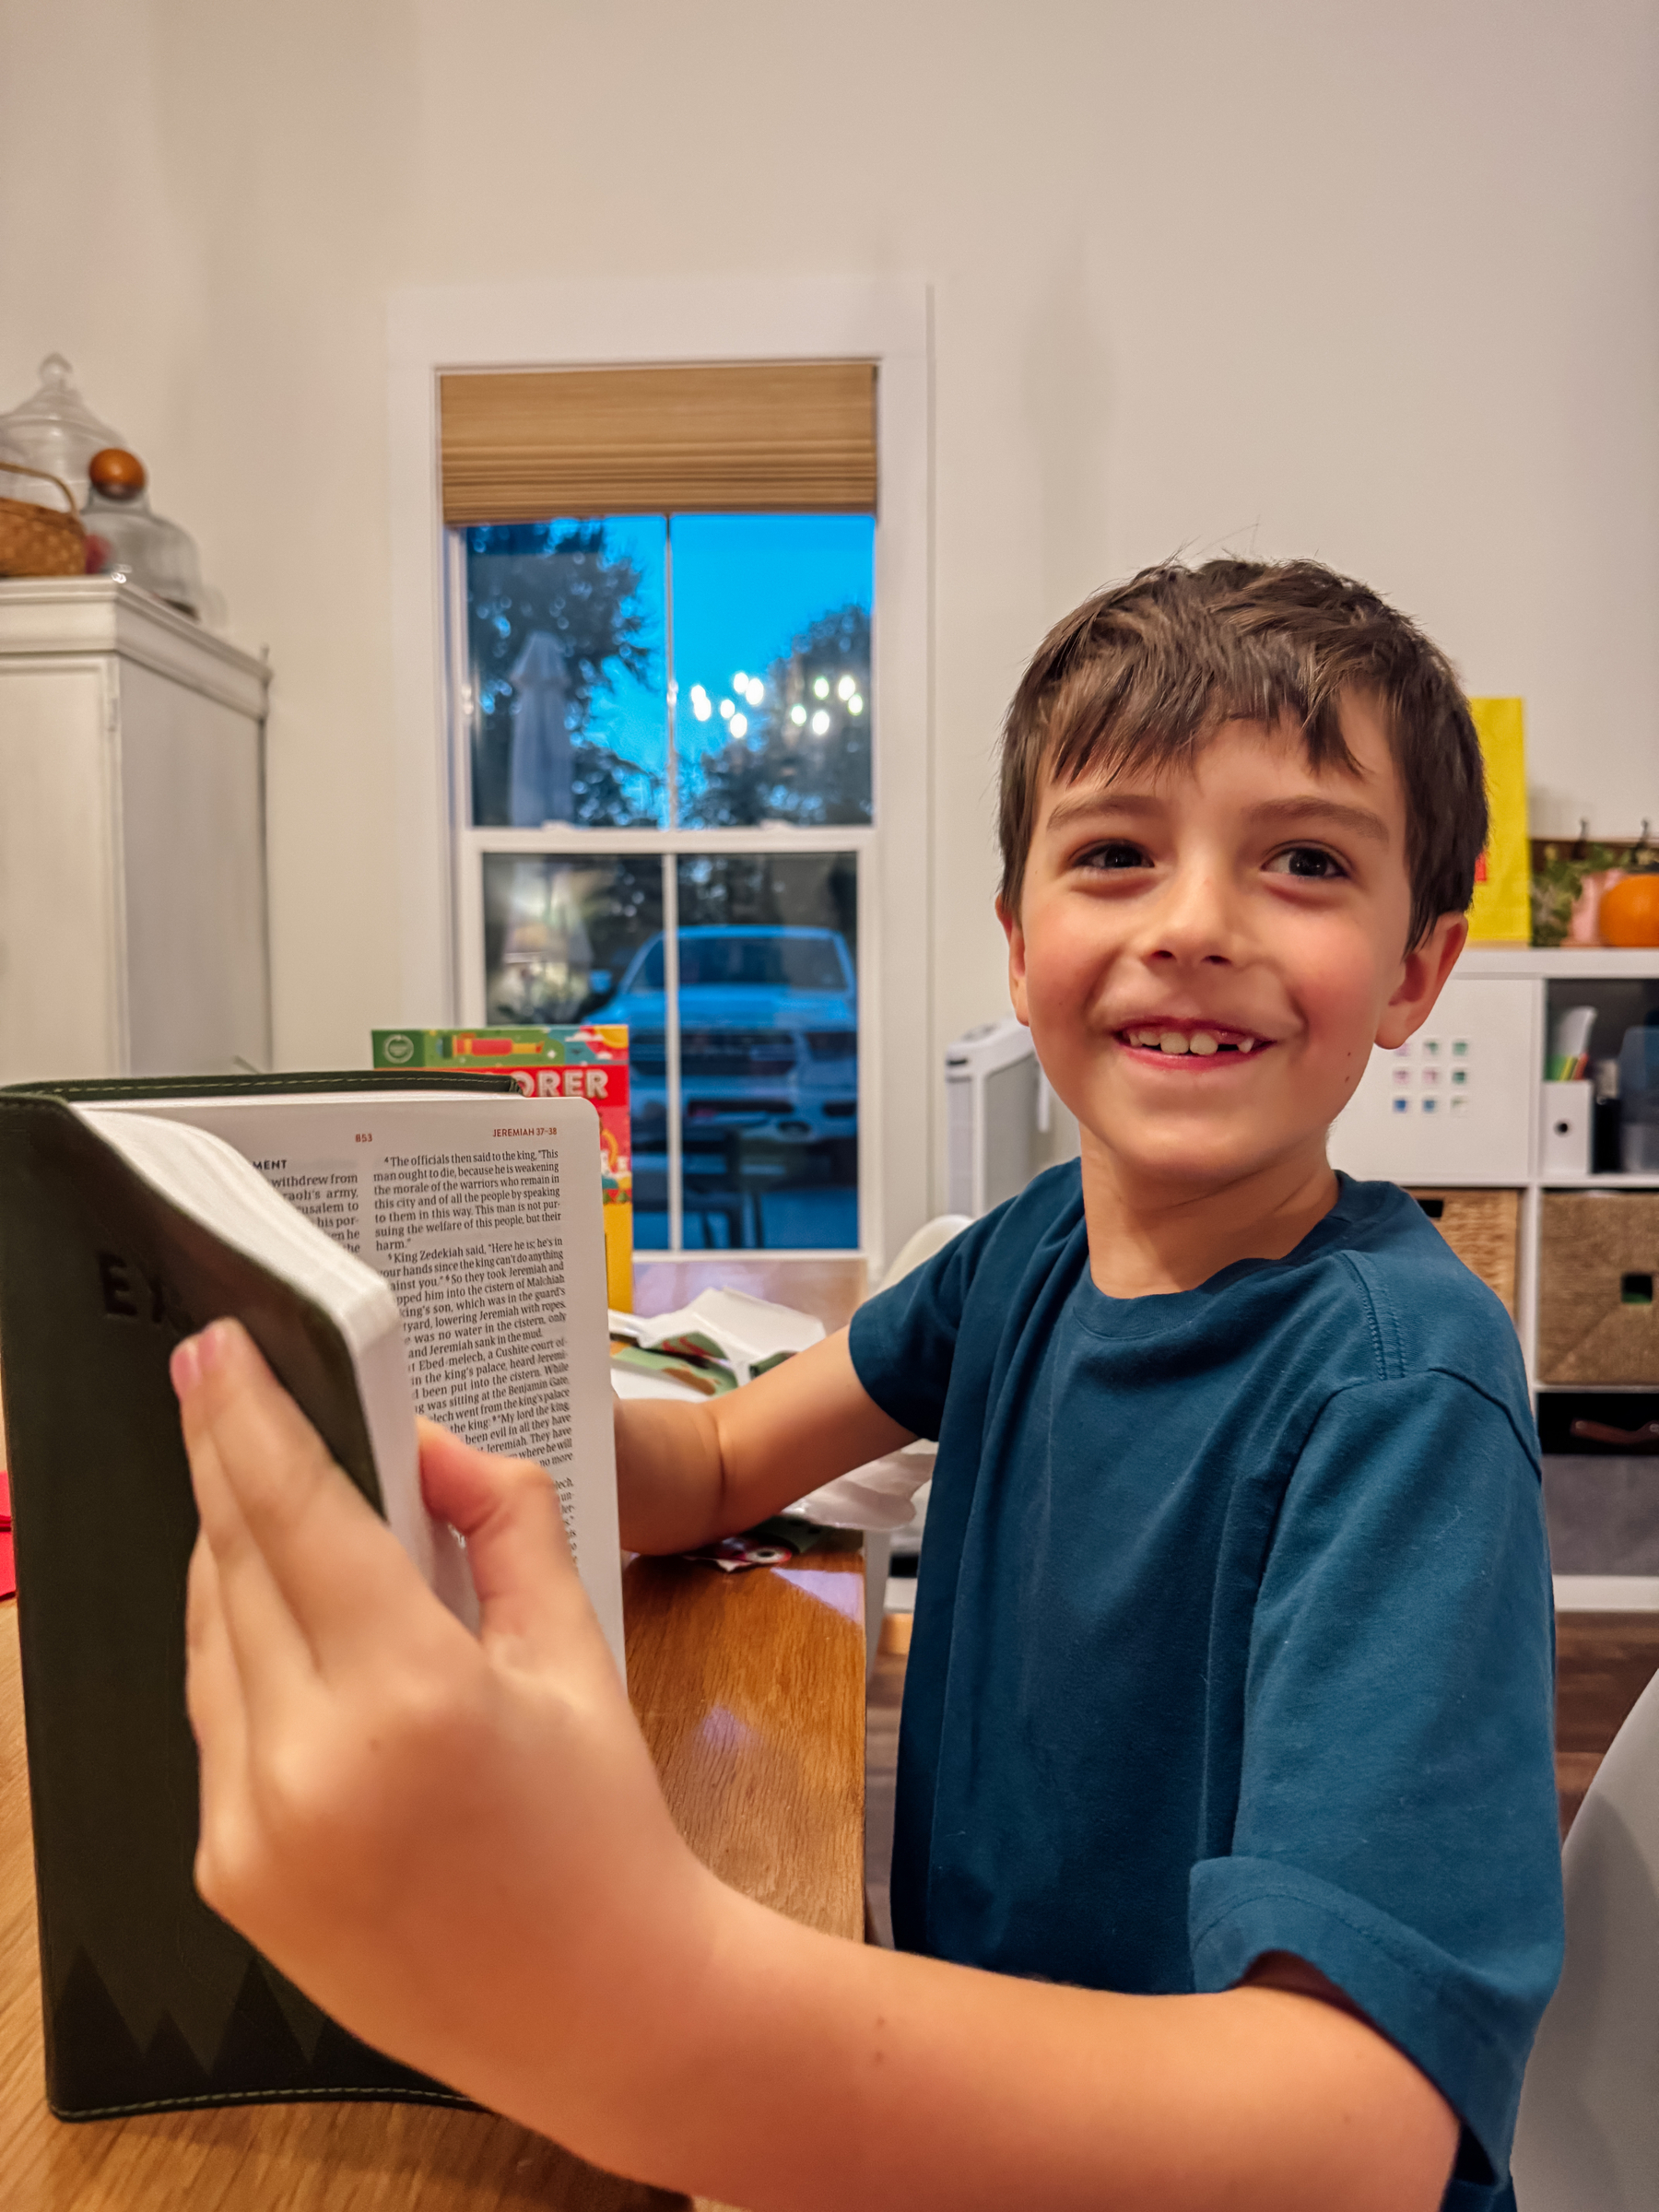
[1195,923]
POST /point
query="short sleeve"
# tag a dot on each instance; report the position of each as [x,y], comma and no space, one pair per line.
[1396,1819]
[904,1340]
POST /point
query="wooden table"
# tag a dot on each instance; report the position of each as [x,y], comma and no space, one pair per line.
[830,1287]
[750,1688]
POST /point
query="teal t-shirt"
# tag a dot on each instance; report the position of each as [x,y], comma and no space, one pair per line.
[1233,1632]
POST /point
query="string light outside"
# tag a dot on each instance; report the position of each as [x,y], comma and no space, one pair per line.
[751,691]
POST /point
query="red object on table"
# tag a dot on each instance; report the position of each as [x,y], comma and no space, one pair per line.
[8,1572]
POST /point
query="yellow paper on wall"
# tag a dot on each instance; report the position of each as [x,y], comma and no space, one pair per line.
[1502,910]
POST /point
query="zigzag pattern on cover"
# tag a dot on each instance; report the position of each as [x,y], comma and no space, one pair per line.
[260,2057]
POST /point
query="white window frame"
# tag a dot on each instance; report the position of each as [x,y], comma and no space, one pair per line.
[629,324]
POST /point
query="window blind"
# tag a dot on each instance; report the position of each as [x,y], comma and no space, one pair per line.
[744,437]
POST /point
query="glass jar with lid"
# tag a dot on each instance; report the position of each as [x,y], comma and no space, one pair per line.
[53,429]
[126,541]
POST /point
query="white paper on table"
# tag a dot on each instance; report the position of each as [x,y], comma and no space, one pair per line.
[747,1330]
[882,1494]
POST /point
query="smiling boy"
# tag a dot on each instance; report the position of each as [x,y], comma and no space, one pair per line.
[1229,1702]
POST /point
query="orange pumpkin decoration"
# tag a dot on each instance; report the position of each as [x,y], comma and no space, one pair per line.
[1628,914]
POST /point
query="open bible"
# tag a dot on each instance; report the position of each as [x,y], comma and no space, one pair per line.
[389,1245]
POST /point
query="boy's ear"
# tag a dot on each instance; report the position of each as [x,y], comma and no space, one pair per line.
[1422,977]
[1017,958]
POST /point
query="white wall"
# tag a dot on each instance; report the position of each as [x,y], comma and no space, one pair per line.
[1375,283]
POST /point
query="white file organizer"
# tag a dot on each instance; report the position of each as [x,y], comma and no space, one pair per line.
[1459,1102]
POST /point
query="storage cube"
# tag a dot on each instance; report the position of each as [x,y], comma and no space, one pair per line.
[1597,1321]
[1483,1229]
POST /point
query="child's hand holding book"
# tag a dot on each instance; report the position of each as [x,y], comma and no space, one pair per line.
[351,1729]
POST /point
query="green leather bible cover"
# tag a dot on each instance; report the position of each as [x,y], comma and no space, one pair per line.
[150,2001]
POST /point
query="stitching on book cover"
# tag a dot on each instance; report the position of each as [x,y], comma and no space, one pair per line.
[195,2103]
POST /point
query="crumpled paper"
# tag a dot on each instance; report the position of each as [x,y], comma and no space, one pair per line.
[722,1339]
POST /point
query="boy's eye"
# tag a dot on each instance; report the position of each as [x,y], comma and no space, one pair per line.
[1115,853]
[1308,860]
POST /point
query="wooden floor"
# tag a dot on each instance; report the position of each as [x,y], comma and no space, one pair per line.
[1604,1661]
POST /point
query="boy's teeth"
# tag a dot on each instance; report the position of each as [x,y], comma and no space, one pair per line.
[1202,1042]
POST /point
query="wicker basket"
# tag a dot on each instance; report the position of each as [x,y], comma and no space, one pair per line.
[1482,1227]
[1597,1321]
[39,541]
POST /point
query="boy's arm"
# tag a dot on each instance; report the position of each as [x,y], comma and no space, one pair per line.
[458,1847]
[933,2084]
[686,1474]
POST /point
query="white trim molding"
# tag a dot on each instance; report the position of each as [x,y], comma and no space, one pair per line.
[1607,1593]
[622,324]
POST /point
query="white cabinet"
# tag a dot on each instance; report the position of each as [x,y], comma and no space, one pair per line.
[132,839]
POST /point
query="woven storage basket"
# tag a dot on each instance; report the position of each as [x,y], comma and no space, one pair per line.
[40,541]
[1596,1319]
[1481,1228]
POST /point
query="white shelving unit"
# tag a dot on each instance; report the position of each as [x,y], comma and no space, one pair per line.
[1491,1024]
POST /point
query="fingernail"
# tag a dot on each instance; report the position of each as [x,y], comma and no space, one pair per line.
[214,1342]
[185,1366]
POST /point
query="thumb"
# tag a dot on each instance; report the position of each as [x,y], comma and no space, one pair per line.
[508,1512]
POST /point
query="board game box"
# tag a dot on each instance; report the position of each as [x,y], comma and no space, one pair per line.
[583,1060]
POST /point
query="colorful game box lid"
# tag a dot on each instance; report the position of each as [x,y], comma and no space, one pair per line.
[578,1060]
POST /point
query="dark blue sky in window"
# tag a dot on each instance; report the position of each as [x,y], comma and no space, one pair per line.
[745,587]
[633,718]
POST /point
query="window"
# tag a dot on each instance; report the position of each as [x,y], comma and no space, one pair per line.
[501,464]
[663,729]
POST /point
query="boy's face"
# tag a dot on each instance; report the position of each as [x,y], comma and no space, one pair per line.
[1206,957]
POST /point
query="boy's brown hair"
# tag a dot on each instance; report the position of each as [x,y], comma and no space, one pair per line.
[1144,674]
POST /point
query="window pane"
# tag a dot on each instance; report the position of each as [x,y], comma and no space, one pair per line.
[578,940]
[771,654]
[565,626]
[769,1049]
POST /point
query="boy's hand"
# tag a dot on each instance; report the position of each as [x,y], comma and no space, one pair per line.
[430,1833]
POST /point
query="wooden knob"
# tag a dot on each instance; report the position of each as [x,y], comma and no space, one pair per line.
[116,473]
